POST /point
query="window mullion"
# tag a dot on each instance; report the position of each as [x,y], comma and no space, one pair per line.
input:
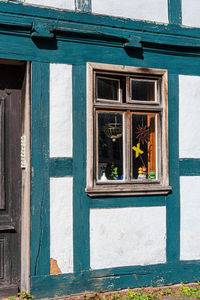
[127,149]
[95,145]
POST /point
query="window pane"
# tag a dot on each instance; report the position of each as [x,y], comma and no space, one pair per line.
[107,88]
[142,90]
[144,146]
[110,146]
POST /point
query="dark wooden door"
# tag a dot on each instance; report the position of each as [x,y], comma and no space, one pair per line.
[11,81]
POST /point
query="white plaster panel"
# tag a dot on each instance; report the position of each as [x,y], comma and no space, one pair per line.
[62,4]
[152,10]
[191,12]
[61,222]
[60,110]
[189,112]
[127,237]
[190,221]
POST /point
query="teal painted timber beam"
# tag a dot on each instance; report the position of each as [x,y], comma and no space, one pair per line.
[81,229]
[127,202]
[189,166]
[69,53]
[13,11]
[61,166]
[97,36]
[113,279]
[79,27]
[93,33]
[40,202]
[83,5]
[170,40]
[173,199]
[175,11]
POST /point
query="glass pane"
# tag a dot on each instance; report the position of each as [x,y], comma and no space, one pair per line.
[107,88]
[110,147]
[142,90]
[144,146]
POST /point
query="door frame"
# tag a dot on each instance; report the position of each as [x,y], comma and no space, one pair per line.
[26,183]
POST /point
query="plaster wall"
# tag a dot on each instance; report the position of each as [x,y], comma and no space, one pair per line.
[127,236]
[190,221]
[189,112]
[190,13]
[61,222]
[62,4]
[152,10]
[60,110]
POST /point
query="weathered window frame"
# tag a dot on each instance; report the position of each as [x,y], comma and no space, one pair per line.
[155,187]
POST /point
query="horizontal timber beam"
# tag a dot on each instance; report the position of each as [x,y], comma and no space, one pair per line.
[47,23]
[189,167]
[113,279]
[61,166]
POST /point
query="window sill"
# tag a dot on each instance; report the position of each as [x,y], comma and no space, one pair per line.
[133,190]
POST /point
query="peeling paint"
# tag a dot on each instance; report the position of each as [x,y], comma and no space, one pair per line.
[160,281]
[83,5]
[135,276]
[54,268]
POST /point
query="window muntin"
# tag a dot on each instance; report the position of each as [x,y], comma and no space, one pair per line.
[151,111]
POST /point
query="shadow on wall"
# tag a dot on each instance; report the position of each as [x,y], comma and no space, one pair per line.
[135,52]
[50,44]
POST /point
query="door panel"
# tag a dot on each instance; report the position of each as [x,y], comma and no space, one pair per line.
[2,194]
[11,81]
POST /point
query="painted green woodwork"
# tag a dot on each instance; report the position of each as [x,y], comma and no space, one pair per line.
[42,30]
[40,225]
[79,38]
[61,166]
[113,279]
[81,243]
[83,5]
[175,11]
[23,16]
[173,200]
[134,42]
[19,19]
[189,167]
[127,202]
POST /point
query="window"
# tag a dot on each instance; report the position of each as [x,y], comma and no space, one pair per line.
[127,131]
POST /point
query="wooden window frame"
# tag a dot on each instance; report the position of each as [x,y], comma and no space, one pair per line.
[119,100]
[160,107]
[155,91]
